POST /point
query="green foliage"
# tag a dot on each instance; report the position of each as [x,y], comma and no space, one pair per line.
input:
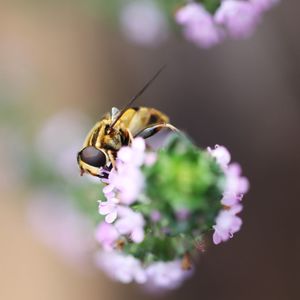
[211,5]
[169,7]
[184,177]
[164,248]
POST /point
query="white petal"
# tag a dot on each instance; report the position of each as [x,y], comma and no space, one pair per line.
[110,218]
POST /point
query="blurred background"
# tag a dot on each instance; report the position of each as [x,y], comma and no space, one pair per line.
[63,65]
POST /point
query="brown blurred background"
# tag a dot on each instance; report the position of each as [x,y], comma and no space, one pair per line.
[243,94]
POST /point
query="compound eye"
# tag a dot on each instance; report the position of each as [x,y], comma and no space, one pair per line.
[93,157]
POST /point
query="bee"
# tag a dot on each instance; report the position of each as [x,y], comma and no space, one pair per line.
[118,129]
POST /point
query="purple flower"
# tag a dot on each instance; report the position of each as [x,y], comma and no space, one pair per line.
[127,180]
[106,234]
[124,268]
[221,154]
[134,154]
[227,223]
[155,216]
[127,269]
[235,186]
[182,214]
[109,192]
[130,223]
[166,275]
[109,209]
[238,17]
[199,26]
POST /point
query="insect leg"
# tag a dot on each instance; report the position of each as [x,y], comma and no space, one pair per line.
[130,136]
[151,130]
[81,172]
[111,158]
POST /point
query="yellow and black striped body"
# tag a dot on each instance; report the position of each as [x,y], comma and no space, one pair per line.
[137,121]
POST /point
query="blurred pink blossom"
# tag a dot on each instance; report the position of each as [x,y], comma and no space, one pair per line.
[235,18]
[238,17]
[221,154]
[157,276]
[198,25]
[127,179]
[133,154]
[124,268]
[183,214]
[166,275]
[155,216]
[106,234]
[227,223]
[143,23]
[236,185]
[130,223]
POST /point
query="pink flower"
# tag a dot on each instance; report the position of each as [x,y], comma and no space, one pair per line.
[199,26]
[127,180]
[155,216]
[221,154]
[235,186]
[109,209]
[109,192]
[131,223]
[227,223]
[182,214]
[127,269]
[124,268]
[134,154]
[238,17]
[106,234]
[166,275]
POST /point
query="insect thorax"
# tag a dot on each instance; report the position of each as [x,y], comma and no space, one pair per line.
[114,140]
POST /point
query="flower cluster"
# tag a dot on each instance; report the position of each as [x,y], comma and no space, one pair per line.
[124,185]
[123,188]
[160,207]
[205,23]
[227,221]
[208,25]
[126,269]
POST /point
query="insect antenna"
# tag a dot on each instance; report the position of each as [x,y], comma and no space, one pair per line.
[138,94]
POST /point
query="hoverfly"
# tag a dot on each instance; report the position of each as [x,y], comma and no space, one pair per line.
[117,129]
